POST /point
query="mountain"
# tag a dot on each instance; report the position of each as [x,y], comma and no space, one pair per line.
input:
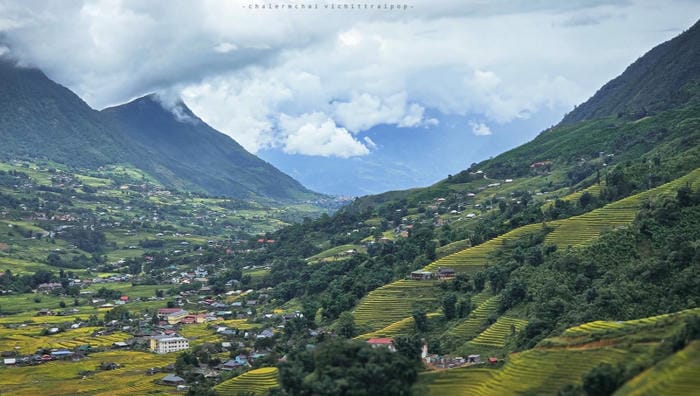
[196,155]
[659,80]
[42,119]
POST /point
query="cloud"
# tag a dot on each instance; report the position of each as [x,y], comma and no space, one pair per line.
[363,111]
[317,134]
[369,143]
[479,128]
[239,69]
[224,48]
[170,100]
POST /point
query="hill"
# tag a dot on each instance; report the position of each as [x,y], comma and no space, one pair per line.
[661,79]
[40,119]
[196,156]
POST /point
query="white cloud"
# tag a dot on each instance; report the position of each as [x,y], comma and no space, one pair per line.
[497,61]
[363,111]
[170,100]
[479,128]
[350,38]
[370,143]
[225,47]
[317,134]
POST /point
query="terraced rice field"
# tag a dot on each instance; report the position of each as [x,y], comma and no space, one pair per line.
[601,326]
[199,334]
[583,229]
[255,382]
[594,189]
[63,378]
[469,328]
[545,371]
[455,382]
[676,375]
[404,326]
[29,339]
[495,334]
[393,302]
[474,259]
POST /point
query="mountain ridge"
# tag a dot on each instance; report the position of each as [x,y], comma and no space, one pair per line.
[193,148]
[654,82]
[42,119]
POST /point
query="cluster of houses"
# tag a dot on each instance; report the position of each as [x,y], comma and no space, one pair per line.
[433,361]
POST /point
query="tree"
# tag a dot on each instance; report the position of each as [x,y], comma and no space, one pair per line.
[449,303]
[479,281]
[464,306]
[421,320]
[346,325]
[602,380]
[347,367]
[410,347]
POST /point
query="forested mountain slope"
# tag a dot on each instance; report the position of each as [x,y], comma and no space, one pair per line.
[40,119]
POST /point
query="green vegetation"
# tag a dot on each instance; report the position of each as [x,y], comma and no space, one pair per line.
[454,382]
[182,155]
[676,375]
[570,264]
[337,367]
[495,335]
[393,302]
[255,382]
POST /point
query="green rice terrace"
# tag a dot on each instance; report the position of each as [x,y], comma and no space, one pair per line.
[563,361]
[470,327]
[393,302]
[675,375]
[404,326]
[255,382]
[495,334]
[396,301]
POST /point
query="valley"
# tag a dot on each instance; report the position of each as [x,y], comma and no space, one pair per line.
[569,265]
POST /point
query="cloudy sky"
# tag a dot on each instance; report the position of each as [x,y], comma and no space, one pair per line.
[316,82]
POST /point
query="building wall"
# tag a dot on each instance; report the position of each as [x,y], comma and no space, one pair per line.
[167,345]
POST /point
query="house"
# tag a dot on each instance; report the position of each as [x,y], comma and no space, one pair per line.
[445,273]
[45,312]
[124,299]
[9,361]
[421,275]
[46,287]
[175,317]
[238,361]
[265,334]
[474,359]
[164,312]
[493,360]
[172,379]
[382,342]
[62,354]
[119,344]
[167,344]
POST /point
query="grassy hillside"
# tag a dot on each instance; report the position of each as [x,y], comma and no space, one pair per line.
[650,84]
[561,363]
[397,300]
[254,382]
